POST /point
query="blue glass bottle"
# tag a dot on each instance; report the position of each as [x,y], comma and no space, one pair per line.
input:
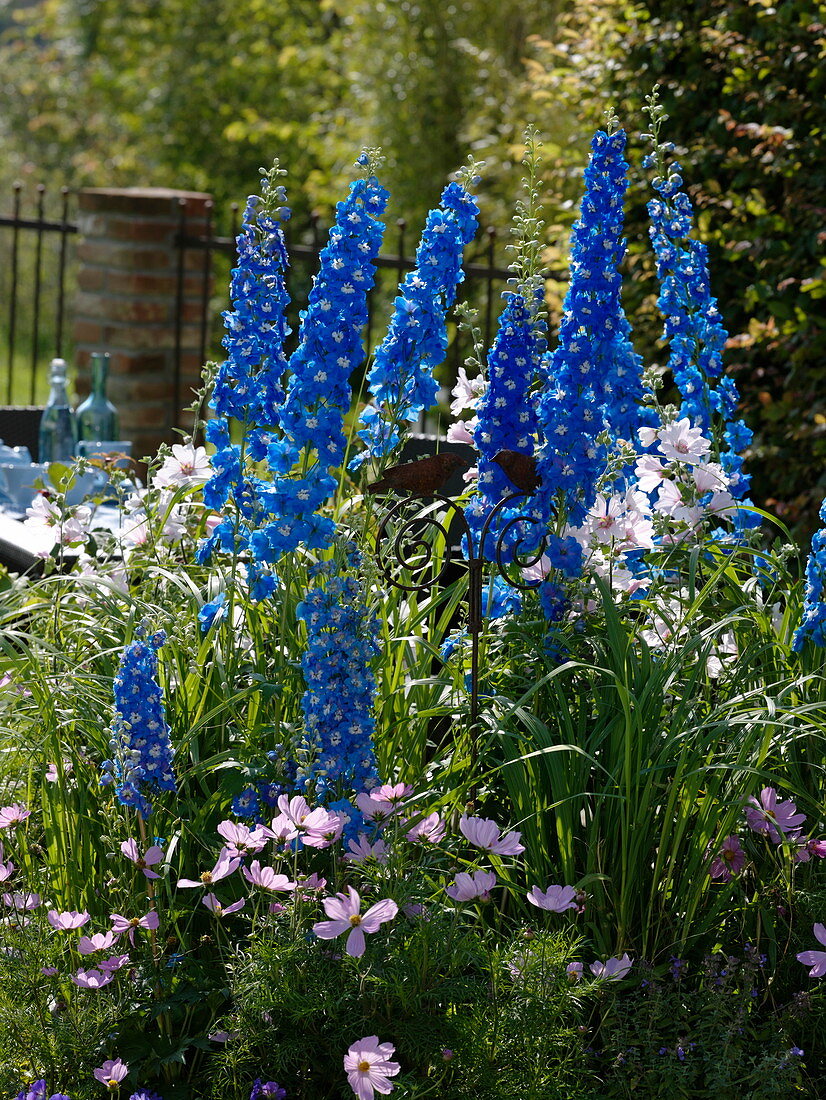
[97,417]
[58,431]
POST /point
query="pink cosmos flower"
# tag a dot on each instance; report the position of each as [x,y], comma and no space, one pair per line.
[66,922]
[6,869]
[815,959]
[92,979]
[212,903]
[240,839]
[150,857]
[362,850]
[346,917]
[574,971]
[309,885]
[729,861]
[777,820]
[430,830]
[613,969]
[282,830]
[804,853]
[49,971]
[374,809]
[113,963]
[111,1073]
[395,793]
[13,815]
[101,941]
[321,828]
[226,865]
[556,899]
[128,924]
[21,901]
[367,1065]
[465,887]
[484,834]
[53,775]
[266,877]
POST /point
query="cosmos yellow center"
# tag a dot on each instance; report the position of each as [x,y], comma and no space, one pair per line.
[206,878]
[355,919]
[364,1066]
[135,921]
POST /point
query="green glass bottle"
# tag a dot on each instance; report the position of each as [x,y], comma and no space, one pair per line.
[97,417]
[58,427]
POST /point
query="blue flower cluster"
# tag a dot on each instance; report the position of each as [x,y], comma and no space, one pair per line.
[140,734]
[401,377]
[693,326]
[330,349]
[813,622]
[338,704]
[38,1091]
[506,421]
[592,376]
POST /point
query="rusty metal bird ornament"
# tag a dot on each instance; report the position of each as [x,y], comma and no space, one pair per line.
[520,469]
[426,475]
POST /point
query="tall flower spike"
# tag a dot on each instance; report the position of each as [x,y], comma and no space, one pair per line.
[144,752]
[401,377]
[572,409]
[506,420]
[693,326]
[318,395]
[813,623]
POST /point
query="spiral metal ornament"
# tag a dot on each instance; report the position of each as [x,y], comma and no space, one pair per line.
[402,546]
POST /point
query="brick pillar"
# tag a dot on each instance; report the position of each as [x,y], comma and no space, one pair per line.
[129,278]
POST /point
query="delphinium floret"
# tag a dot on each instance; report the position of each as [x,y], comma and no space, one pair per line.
[401,376]
[813,621]
[141,744]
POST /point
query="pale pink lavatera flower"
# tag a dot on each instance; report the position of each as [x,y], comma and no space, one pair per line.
[266,877]
[466,887]
[214,906]
[67,922]
[679,442]
[92,979]
[815,959]
[460,432]
[240,839]
[367,1065]
[150,858]
[362,849]
[101,941]
[612,968]
[344,909]
[430,830]
[556,899]
[186,466]
[484,833]
[649,473]
[226,865]
[121,924]
[15,814]
[111,1073]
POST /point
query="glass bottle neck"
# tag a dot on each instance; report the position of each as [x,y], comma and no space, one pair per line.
[100,373]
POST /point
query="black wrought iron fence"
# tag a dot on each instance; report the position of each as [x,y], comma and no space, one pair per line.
[37,278]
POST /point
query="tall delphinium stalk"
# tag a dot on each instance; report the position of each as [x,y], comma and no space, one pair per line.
[813,623]
[248,384]
[693,326]
[312,439]
[401,377]
[142,750]
[506,411]
[581,388]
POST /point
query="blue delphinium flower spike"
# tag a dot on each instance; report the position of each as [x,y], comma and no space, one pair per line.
[813,623]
